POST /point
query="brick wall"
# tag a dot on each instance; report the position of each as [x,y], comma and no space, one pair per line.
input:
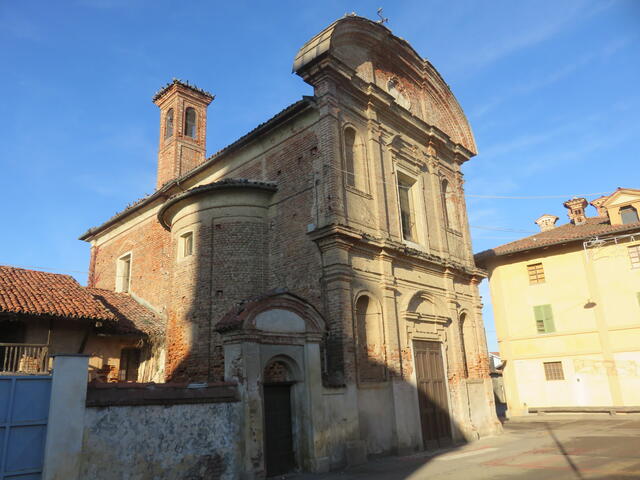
[152,262]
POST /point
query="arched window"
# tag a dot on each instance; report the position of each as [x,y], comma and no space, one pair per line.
[354,159]
[463,347]
[168,124]
[449,206]
[629,215]
[370,341]
[190,122]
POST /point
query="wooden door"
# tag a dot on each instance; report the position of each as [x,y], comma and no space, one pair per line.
[278,431]
[432,394]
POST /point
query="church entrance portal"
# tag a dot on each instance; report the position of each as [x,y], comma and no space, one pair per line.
[432,395]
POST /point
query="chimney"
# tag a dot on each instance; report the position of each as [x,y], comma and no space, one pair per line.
[598,204]
[547,222]
[576,208]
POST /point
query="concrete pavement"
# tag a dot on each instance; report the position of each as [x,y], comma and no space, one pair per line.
[533,448]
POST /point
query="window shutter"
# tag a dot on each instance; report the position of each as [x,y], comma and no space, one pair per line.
[544,318]
[548,319]
[638,294]
[538,313]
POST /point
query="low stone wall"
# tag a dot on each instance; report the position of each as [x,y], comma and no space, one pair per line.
[161,432]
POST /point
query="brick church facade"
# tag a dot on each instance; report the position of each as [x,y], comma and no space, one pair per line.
[323,261]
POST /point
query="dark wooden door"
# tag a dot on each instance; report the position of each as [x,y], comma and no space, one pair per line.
[278,431]
[432,395]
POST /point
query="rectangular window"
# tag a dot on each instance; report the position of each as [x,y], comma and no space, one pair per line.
[407,217]
[544,319]
[536,273]
[634,256]
[129,364]
[553,370]
[123,273]
[187,244]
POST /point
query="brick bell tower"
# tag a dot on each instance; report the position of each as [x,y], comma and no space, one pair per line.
[183,129]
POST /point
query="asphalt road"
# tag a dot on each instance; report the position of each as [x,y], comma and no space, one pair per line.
[535,448]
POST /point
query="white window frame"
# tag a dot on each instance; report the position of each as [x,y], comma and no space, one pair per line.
[417,206]
[182,239]
[120,279]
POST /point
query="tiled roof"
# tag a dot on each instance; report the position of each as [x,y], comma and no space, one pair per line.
[184,83]
[594,226]
[41,293]
[130,316]
[31,292]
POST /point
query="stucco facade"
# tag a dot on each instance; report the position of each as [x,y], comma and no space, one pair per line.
[586,353]
[319,253]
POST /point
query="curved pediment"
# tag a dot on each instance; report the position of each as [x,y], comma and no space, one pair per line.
[377,57]
[275,312]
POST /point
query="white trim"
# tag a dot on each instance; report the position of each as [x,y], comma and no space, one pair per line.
[417,207]
[182,237]
[120,287]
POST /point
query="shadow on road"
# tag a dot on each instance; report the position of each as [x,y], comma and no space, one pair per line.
[566,456]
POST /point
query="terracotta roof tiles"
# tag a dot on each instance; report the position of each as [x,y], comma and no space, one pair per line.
[42,293]
[592,227]
[32,292]
[130,316]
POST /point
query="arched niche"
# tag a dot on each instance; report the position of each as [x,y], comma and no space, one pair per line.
[370,342]
[449,205]
[355,159]
[426,316]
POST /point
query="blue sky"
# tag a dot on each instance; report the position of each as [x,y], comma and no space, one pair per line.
[550,89]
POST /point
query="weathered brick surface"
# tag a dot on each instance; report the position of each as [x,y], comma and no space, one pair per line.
[152,262]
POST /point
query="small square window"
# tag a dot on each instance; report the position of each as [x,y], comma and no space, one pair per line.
[186,241]
[553,371]
[536,273]
[634,256]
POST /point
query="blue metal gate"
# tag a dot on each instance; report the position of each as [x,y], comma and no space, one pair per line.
[24,412]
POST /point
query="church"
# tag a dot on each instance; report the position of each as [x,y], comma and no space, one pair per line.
[322,262]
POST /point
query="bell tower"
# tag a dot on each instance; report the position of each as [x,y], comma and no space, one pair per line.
[183,129]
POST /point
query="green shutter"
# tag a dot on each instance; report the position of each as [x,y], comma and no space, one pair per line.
[544,319]
[638,294]
[538,313]
[548,319]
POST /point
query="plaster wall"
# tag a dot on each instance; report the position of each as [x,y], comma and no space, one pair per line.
[376,425]
[161,442]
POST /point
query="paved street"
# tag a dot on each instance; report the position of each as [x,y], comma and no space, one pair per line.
[536,448]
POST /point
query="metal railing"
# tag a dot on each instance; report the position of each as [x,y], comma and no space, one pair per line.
[27,358]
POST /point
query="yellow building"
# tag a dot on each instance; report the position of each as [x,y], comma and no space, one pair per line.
[566,305]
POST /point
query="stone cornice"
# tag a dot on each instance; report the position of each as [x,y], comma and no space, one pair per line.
[346,237]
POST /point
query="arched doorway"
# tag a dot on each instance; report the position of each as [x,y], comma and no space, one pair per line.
[279,453]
